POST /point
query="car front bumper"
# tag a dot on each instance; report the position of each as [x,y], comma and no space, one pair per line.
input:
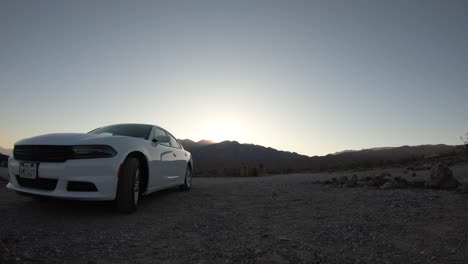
[102,173]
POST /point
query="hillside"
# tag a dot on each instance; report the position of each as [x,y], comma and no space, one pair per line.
[381,156]
[225,158]
[190,144]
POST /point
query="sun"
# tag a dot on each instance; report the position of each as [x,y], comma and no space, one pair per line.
[224,131]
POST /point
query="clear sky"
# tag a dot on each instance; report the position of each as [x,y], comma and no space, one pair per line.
[313,77]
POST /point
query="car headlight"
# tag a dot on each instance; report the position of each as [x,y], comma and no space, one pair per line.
[93,152]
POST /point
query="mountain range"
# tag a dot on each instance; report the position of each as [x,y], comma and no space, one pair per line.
[225,158]
[5,151]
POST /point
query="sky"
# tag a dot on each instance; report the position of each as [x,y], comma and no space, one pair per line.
[313,77]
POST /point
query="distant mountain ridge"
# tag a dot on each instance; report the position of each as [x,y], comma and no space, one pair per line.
[352,150]
[190,144]
[225,158]
[5,151]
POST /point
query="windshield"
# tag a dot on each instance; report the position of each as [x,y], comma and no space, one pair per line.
[129,130]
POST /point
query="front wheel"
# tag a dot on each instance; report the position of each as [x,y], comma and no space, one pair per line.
[188,180]
[128,186]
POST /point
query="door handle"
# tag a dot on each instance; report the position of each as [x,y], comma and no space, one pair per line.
[174,154]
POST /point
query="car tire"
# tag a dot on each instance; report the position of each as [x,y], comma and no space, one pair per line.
[187,181]
[128,186]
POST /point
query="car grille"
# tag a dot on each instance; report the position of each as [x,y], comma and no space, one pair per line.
[42,153]
[39,183]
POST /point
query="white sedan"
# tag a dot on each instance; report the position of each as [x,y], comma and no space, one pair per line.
[117,162]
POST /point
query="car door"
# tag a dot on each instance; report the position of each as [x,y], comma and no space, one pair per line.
[160,167]
[179,162]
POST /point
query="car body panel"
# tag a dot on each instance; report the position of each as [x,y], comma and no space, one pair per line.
[165,165]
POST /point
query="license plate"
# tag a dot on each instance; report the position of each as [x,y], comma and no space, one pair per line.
[28,170]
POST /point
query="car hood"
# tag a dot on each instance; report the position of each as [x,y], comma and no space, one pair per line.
[63,139]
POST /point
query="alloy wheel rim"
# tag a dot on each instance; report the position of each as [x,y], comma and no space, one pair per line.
[189,178]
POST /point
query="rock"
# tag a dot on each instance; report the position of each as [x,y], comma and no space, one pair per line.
[416,184]
[284,239]
[450,183]
[442,178]
[334,181]
[370,183]
[387,185]
[380,180]
[353,181]
[343,180]
[271,259]
[400,182]
[403,184]
[463,188]
[327,182]
[388,178]
[414,174]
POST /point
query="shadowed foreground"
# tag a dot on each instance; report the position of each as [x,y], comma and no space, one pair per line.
[276,219]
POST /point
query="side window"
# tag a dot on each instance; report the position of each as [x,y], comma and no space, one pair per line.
[174,142]
[160,132]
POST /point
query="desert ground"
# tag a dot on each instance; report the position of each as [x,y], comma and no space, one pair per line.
[268,219]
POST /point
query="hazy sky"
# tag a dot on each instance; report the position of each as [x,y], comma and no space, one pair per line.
[308,76]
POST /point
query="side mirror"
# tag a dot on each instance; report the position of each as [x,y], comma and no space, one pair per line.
[162,139]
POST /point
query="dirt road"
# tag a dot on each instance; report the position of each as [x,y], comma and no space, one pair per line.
[271,219]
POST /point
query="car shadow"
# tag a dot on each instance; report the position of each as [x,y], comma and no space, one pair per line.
[61,207]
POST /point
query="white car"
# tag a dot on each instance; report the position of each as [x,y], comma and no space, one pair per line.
[117,162]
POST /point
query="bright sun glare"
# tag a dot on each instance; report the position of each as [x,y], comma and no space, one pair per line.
[222,131]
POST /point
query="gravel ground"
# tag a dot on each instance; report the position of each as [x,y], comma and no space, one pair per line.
[270,219]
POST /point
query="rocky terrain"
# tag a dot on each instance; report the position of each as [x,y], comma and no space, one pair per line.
[440,176]
[270,219]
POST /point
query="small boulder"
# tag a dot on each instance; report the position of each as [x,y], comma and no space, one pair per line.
[442,178]
[353,181]
[380,180]
[370,183]
[463,188]
[450,183]
[343,180]
[416,184]
[387,185]
[334,181]
[400,182]
[414,174]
